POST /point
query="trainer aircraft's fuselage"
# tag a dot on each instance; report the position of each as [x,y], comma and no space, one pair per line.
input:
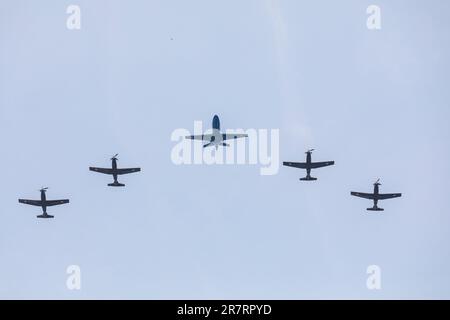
[308,164]
[44,199]
[376,192]
[114,168]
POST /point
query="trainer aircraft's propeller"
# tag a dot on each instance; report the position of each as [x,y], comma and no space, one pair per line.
[378,182]
[43,189]
[309,151]
[114,156]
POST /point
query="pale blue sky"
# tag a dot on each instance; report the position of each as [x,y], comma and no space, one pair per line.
[376,102]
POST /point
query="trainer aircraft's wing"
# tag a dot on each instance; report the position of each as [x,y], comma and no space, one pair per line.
[205,137]
[385,196]
[50,203]
[315,165]
[101,170]
[31,202]
[228,136]
[363,195]
[301,165]
[128,170]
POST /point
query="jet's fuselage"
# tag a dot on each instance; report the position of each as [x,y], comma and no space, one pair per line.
[217,137]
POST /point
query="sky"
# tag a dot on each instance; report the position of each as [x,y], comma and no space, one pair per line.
[374,101]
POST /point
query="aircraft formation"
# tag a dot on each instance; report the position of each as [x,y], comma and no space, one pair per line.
[215,139]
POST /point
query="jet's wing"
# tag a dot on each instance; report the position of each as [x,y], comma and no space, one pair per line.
[228,136]
[31,202]
[101,170]
[301,165]
[128,170]
[205,137]
[315,165]
[363,195]
[385,196]
[50,203]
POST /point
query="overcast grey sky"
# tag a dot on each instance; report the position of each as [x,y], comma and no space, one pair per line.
[376,102]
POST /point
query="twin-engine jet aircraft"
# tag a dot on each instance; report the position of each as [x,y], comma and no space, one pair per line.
[44,203]
[308,165]
[114,171]
[375,196]
[216,138]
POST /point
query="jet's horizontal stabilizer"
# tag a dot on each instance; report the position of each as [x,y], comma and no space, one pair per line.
[116,184]
[45,216]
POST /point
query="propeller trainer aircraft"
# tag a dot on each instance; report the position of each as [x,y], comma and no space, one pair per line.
[375,196]
[114,171]
[44,203]
[308,165]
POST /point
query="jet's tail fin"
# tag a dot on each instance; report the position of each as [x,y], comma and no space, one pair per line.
[308,178]
[116,184]
[375,208]
[216,123]
[45,216]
